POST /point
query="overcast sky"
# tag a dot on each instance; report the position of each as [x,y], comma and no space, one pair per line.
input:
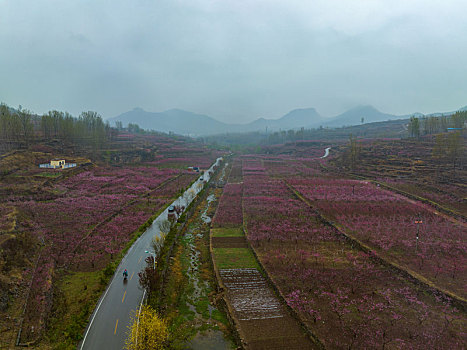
[234,60]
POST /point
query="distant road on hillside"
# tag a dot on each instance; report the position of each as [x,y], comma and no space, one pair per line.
[326,152]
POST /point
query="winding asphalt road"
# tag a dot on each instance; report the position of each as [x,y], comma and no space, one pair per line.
[326,152]
[109,323]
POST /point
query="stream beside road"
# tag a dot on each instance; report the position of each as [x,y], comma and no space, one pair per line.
[190,296]
[205,313]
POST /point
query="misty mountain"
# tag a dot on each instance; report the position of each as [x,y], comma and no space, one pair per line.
[440,114]
[354,117]
[295,119]
[302,118]
[188,123]
[173,120]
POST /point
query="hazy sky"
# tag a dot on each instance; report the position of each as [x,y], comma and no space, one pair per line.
[234,60]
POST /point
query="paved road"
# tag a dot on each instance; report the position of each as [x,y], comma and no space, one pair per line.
[326,152]
[109,323]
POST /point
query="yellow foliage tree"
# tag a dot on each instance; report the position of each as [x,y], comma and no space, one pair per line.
[148,331]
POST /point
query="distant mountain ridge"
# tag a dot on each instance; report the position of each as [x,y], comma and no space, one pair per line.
[188,123]
[438,114]
[193,124]
[296,118]
[360,115]
[172,120]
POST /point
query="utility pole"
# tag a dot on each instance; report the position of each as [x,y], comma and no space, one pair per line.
[154,258]
[417,222]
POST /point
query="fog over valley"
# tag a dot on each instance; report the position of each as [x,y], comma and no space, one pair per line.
[234,61]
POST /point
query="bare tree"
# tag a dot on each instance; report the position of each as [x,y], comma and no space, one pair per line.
[164,226]
[189,195]
[158,242]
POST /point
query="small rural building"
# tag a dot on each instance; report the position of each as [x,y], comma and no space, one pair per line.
[57,163]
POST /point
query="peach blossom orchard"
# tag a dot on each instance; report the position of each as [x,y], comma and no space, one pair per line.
[90,217]
[347,297]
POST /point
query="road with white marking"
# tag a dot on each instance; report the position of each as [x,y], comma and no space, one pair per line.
[109,322]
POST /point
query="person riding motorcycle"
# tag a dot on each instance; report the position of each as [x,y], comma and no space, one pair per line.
[125,274]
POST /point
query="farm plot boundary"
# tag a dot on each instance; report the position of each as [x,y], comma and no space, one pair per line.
[457,300]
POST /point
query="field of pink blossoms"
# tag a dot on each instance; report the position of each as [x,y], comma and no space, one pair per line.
[84,221]
[388,223]
[344,296]
[229,211]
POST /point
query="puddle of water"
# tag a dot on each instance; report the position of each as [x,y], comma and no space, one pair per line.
[209,340]
[193,275]
[206,219]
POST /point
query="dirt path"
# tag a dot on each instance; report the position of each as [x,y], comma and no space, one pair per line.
[262,321]
[431,209]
